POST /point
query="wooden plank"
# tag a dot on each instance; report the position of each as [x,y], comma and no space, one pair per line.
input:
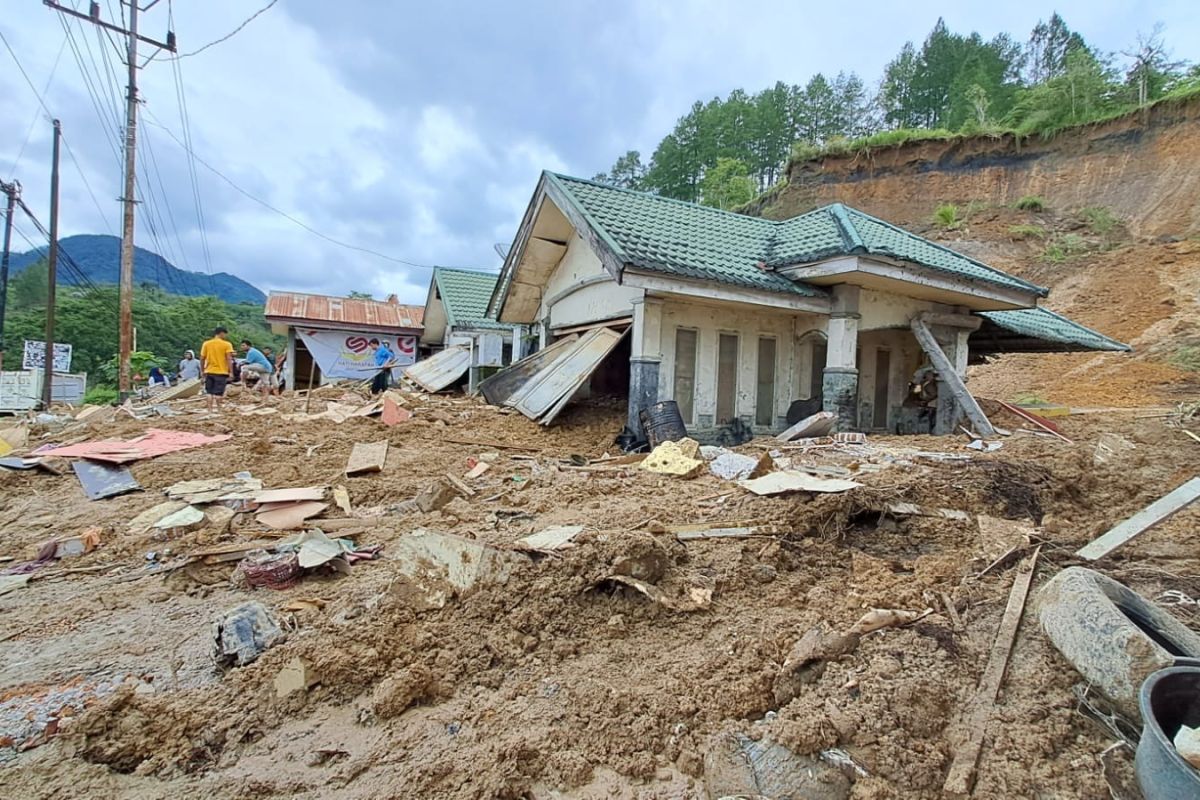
[459,486]
[946,372]
[974,722]
[819,424]
[1045,424]
[486,443]
[1157,512]
[366,458]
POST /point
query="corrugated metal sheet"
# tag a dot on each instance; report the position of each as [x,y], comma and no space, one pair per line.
[551,389]
[344,311]
[439,371]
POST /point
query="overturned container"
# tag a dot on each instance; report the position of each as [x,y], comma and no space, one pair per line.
[1169,699]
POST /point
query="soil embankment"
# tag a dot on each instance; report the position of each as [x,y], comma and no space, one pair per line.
[1116,240]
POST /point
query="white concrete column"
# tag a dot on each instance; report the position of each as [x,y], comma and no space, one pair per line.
[840,389]
[645,357]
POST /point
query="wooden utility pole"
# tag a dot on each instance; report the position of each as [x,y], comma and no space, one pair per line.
[129,202]
[52,259]
[13,190]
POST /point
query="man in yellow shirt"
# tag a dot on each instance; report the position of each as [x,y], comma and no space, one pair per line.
[216,361]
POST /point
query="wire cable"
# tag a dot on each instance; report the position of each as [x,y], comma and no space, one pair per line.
[229,35]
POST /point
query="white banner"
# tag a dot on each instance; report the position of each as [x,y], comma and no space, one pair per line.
[35,356]
[346,354]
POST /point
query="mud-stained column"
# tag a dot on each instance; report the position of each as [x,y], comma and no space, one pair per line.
[645,358]
[840,378]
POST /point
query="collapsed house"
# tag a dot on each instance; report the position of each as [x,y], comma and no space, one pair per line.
[752,322]
[456,317]
[328,338]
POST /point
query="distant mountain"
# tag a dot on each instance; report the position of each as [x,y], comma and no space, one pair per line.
[99,258]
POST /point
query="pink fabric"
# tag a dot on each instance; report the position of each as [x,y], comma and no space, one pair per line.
[155,442]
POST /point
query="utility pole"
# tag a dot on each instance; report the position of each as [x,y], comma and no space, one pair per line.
[131,101]
[48,363]
[13,190]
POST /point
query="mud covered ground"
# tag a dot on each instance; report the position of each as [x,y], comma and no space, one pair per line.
[557,684]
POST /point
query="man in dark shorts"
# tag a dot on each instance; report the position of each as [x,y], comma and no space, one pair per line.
[216,361]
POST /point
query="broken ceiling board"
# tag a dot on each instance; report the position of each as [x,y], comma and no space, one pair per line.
[292,516]
[17,437]
[440,370]
[155,442]
[366,458]
[913,510]
[499,388]
[819,424]
[341,498]
[291,495]
[186,517]
[439,566]
[793,481]
[16,462]
[393,412]
[179,391]
[711,532]
[556,538]
[1157,512]
[104,480]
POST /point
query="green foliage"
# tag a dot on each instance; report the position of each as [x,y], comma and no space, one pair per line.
[727,185]
[1061,248]
[1031,202]
[140,362]
[946,215]
[101,396]
[1186,357]
[952,85]
[1028,398]
[30,287]
[1027,231]
[166,324]
[1099,219]
[355,295]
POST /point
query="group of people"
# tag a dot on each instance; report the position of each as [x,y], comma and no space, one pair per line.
[219,367]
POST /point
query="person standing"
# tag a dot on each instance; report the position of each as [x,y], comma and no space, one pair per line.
[189,367]
[216,362]
[257,364]
[383,359]
[280,361]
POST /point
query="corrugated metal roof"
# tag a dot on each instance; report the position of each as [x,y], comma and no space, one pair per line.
[351,312]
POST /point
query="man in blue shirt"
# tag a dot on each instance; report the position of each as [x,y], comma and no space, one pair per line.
[383,359]
[259,365]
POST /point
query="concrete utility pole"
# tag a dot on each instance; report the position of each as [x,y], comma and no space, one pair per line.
[52,259]
[129,202]
[13,190]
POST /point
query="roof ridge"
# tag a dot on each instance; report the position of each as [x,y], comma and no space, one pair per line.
[664,198]
[468,271]
[850,234]
[1043,291]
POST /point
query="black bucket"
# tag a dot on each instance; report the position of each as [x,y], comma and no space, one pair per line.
[662,422]
[1169,698]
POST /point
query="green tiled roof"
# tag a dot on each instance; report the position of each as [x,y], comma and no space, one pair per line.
[465,295]
[1041,323]
[665,235]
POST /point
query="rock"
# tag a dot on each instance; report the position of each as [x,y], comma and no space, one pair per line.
[435,496]
[737,766]
[219,518]
[395,694]
[296,676]
[764,573]
[243,633]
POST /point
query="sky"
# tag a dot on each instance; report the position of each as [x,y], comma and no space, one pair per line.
[418,130]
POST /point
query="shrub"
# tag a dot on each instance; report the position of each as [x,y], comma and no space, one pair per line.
[1064,247]
[1031,202]
[1027,231]
[946,215]
[1099,219]
[1187,357]
[101,396]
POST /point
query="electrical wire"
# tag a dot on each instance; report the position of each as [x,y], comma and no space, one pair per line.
[229,35]
[33,122]
[153,120]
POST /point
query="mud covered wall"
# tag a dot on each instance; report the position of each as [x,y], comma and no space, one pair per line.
[1144,167]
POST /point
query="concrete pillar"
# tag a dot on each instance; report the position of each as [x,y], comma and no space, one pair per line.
[544,333]
[840,378]
[645,358]
[518,344]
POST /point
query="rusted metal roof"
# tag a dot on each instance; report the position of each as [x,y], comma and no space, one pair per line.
[321,310]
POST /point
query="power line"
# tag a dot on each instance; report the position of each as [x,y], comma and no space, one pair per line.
[229,35]
[153,120]
[33,122]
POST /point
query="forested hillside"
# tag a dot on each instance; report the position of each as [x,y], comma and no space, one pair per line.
[86,318]
[98,258]
[725,151]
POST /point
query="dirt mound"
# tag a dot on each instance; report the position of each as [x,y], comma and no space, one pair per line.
[561,682]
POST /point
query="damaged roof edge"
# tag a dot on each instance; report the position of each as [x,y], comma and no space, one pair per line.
[1046,325]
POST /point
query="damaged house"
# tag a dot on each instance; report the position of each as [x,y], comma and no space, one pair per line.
[753,323]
